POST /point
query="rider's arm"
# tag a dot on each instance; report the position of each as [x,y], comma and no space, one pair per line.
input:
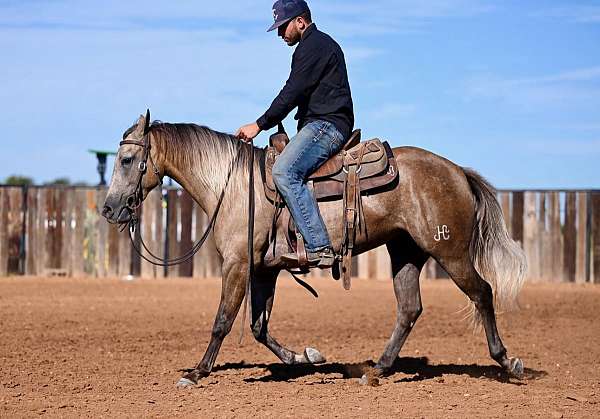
[307,66]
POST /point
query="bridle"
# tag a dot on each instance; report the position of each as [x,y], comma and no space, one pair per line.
[134,202]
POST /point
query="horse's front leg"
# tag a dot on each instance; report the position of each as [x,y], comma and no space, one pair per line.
[232,293]
[262,293]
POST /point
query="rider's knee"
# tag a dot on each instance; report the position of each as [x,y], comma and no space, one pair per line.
[282,175]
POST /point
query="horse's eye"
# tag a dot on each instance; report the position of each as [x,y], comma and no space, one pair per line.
[126,161]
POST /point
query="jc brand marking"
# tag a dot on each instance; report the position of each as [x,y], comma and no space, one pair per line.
[443,233]
[275,14]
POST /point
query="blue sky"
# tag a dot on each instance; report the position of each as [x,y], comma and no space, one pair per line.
[510,88]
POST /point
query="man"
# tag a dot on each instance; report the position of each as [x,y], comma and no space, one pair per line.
[318,86]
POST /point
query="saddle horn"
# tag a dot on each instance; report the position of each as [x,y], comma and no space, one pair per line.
[280,139]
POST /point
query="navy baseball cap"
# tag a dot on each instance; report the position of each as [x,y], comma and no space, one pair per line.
[286,10]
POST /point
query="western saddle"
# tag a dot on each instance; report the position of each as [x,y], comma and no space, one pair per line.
[358,167]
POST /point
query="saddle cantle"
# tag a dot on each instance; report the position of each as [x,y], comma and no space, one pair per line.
[357,168]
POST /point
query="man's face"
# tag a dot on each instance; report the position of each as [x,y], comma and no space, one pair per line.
[290,32]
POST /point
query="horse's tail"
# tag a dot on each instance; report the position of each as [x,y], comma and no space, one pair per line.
[498,259]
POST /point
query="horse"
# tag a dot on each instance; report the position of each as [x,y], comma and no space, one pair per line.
[437,209]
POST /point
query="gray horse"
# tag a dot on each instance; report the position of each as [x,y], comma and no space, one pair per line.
[437,209]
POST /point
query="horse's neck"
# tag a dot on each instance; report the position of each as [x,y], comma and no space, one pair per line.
[193,178]
[191,181]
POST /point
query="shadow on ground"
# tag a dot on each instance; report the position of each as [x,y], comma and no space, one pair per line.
[419,369]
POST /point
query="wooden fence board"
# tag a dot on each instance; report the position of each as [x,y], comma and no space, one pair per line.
[207,262]
[4,206]
[67,196]
[570,237]
[531,236]
[185,244]
[172,243]
[556,238]
[15,229]
[363,265]
[505,202]
[159,231]
[113,251]
[41,254]
[32,231]
[517,216]
[595,251]
[149,215]
[544,239]
[580,271]
[102,236]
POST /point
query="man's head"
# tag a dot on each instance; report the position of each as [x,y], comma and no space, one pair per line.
[292,17]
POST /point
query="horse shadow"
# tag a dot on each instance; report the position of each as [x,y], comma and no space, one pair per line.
[418,369]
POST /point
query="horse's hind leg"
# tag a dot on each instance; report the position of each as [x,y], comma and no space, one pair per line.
[407,260]
[464,274]
[262,295]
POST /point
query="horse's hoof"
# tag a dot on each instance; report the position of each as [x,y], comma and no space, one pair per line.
[368,380]
[313,356]
[185,383]
[310,356]
[515,367]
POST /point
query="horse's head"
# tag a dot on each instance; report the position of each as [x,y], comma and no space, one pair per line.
[134,175]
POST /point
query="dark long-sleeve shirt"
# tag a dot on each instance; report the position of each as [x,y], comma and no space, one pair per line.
[318,86]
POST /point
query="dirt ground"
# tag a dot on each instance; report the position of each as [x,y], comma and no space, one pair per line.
[111,348]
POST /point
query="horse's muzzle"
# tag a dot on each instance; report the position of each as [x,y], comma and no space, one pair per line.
[122,216]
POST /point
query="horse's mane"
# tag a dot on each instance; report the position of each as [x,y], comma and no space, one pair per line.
[187,145]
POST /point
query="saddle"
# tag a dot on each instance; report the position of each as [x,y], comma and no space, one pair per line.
[357,168]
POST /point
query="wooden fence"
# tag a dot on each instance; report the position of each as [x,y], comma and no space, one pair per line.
[58,231]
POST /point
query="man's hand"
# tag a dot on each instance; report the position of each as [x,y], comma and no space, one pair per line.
[248,132]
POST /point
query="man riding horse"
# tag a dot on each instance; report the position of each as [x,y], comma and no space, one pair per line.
[318,86]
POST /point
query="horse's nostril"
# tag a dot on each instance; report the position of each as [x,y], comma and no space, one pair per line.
[107,211]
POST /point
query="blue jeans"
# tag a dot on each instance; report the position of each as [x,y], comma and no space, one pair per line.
[306,152]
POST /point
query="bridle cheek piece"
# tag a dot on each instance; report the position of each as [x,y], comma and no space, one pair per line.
[134,201]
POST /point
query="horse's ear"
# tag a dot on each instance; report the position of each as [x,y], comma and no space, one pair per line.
[147,124]
[140,125]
